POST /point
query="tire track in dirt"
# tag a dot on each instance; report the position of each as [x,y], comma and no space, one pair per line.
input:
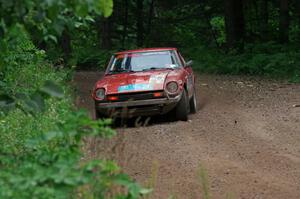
[247,136]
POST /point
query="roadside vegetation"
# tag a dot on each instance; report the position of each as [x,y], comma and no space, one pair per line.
[41,132]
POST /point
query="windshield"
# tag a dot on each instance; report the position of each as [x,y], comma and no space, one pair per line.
[133,62]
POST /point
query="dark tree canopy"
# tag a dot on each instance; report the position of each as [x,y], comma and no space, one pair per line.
[76,32]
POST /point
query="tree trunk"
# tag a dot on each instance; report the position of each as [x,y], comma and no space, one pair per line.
[150,17]
[284,21]
[298,11]
[65,43]
[264,22]
[106,33]
[140,25]
[125,23]
[234,24]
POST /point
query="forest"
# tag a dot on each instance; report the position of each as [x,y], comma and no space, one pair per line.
[42,43]
[238,37]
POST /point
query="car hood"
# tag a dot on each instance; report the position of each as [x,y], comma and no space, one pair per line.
[134,81]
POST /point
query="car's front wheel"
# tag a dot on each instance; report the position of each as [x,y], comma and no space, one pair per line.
[182,108]
[193,103]
[98,115]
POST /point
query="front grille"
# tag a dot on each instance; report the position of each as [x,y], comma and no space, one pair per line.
[136,96]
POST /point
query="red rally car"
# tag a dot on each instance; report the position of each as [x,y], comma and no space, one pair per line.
[146,82]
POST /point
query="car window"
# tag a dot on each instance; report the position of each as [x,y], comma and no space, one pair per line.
[182,59]
[144,61]
[175,58]
[119,63]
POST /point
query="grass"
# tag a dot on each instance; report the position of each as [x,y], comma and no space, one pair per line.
[203,179]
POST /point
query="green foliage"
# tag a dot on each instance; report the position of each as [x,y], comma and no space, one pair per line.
[23,73]
[33,103]
[22,66]
[52,89]
[40,152]
[106,7]
[18,56]
[218,25]
[87,52]
[295,33]
[49,166]
[203,178]
[46,20]
[267,59]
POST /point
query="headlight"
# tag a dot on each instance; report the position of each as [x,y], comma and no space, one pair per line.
[100,93]
[172,87]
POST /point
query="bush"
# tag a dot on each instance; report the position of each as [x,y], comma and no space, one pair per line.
[269,59]
[41,138]
[24,71]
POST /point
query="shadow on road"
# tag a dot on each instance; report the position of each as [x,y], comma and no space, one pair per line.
[142,121]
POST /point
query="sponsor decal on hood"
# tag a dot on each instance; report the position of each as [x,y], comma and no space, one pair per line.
[155,79]
[135,87]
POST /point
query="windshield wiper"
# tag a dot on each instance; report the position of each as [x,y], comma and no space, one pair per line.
[152,68]
[120,71]
[155,68]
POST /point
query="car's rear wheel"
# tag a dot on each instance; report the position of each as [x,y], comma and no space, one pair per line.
[182,108]
[193,103]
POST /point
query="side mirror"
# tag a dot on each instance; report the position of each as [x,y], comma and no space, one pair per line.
[189,63]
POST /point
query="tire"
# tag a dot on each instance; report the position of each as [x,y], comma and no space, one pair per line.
[193,103]
[98,115]
[182,108]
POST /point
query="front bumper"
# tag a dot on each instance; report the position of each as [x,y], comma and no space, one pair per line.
[138,107]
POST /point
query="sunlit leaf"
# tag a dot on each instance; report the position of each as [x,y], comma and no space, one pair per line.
[50,37]
[78,24]
[89,18]
[134,189]
[106,7]
[144,191]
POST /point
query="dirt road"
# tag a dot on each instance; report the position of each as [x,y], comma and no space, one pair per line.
[246,134]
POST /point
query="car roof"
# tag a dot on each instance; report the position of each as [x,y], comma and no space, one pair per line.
[145,50]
